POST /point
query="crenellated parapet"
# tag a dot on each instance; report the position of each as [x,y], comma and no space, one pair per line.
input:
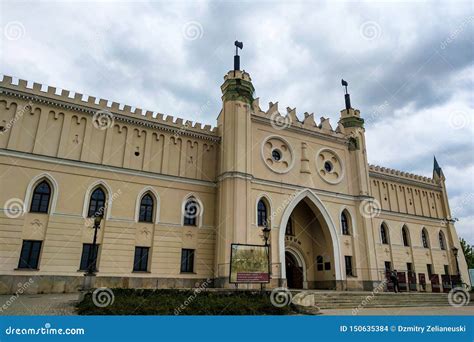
[400,174]
[237,87]
[291,120]
[90,104]
[406,193]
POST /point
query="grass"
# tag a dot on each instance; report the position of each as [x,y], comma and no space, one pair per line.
[183,302]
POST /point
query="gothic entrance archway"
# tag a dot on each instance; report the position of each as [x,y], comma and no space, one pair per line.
[308,244]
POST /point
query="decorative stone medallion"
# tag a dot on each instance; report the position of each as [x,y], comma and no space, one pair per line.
[329,166]
[277,154]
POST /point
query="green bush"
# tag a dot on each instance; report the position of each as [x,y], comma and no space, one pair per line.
[184,302]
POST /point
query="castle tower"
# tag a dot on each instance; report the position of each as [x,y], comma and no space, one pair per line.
[453,239]
[354,130]
[233,210]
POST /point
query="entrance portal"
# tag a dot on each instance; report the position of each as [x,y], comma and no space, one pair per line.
[294,273]
[307,227]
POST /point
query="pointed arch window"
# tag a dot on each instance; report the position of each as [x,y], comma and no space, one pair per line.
[442,241]
[147,205]
[345,224]
[424,239]
[405,236]
[262,214]
[97,203]
[41,198]
[191,212]
[384,234]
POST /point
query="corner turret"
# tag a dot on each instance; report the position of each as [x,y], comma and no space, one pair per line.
[438,174]
[349,116]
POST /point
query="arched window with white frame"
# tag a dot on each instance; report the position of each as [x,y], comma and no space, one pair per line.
[41,194]
[192,212]
[97,203]
[41,198]
[345,223]
[425,238]
[384,235]
[147,208]
[442,241]
[405,236]
[262,213]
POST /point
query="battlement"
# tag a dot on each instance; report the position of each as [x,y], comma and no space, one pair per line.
[94,104]
[400,174]
[291,120]
[241,74]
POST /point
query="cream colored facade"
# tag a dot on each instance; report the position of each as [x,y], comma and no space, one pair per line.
[319,173]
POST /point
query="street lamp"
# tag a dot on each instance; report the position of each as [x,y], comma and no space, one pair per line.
[266,234]
[455,252]
[92,257]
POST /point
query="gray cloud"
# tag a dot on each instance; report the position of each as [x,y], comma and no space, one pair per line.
[409,66]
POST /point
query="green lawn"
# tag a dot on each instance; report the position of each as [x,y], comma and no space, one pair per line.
[184,302]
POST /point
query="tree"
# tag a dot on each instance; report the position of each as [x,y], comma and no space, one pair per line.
[468,253]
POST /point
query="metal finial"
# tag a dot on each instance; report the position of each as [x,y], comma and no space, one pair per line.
[347,97]
[344,84]
[238,45]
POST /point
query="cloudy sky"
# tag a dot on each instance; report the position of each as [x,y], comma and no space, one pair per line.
[409,65]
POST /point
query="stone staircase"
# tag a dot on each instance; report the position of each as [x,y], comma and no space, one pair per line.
[359,299]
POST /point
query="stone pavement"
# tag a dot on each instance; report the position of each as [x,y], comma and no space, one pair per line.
[405,311]
[38,304]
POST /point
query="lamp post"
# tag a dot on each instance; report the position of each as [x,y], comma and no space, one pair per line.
[92,257]
[455,252]
[266,236]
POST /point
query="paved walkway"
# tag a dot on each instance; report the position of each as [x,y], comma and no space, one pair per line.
[406,311]
[40,304]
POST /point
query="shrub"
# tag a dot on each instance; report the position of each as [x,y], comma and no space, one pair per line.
[184,302]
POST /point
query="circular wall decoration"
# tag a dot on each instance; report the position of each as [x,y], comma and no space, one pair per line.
[329,166]
[277,154]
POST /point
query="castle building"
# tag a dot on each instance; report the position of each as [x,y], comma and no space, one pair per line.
[174,195]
